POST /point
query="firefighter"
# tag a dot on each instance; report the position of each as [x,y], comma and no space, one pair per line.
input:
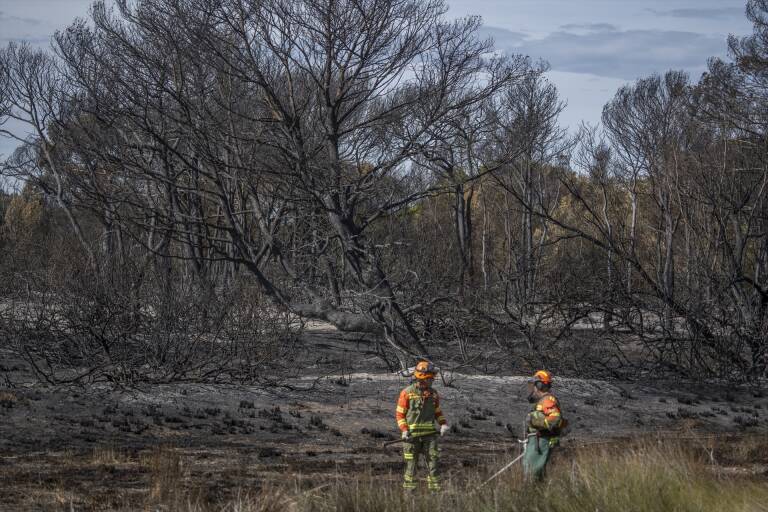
[418,408]
[544,425]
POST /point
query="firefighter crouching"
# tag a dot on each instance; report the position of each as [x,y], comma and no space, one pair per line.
[544,425]
[418,408]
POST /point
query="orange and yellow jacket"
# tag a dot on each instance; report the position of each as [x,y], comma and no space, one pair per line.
[546,417]
[418,410]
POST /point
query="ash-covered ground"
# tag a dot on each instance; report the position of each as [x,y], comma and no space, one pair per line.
[91,449]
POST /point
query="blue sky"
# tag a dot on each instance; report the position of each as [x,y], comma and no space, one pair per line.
[593,46]
[596,46]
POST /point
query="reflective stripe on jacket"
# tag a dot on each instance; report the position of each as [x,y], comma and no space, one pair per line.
[546,417]
[418,409]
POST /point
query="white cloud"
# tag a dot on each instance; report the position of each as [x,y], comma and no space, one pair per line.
[4,18]
[590,27]
[605,50]
[701,13]
[35,21]
[594,46]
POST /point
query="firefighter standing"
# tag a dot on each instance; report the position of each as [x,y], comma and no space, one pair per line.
[544,424]
[418,408]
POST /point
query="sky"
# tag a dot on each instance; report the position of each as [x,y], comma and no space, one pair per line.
[593,46]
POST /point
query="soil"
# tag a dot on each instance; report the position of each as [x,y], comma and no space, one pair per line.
[93,449]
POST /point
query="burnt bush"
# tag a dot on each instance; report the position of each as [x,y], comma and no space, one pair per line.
[132,324]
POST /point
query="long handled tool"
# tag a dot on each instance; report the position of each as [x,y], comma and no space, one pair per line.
[401,440]
[516,459]
[524,442]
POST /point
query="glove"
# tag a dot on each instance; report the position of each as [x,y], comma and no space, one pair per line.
[443,430]
[405,435]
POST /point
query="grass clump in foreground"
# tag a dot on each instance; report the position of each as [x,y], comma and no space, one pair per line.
[651,476]
[641,478]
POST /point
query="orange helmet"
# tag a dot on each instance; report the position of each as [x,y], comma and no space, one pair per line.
[424,370]
[543,376]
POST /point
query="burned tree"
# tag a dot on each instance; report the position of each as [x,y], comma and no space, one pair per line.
[267,138]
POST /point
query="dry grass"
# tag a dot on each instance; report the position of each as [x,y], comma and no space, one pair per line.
[166,477]
[108,456]
[8,399]
[643,477]
[274,500]
[647,475]
[738,449]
